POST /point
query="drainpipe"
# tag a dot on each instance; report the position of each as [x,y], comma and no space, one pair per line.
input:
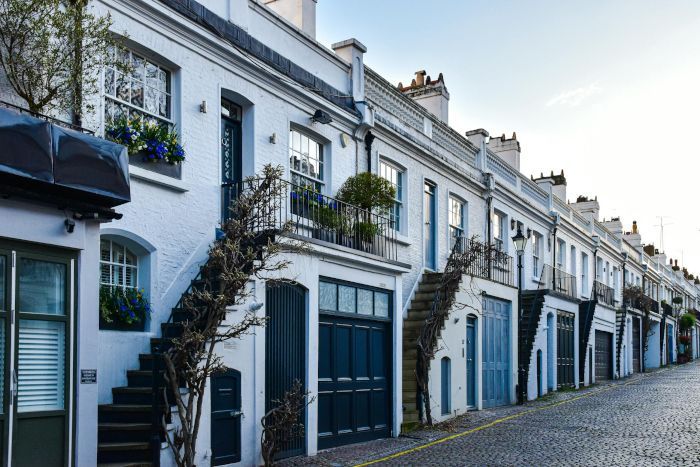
[369,139]
[554,256]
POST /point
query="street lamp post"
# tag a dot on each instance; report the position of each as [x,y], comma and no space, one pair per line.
[520,240]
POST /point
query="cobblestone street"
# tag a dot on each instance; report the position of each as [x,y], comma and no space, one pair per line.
[649,419]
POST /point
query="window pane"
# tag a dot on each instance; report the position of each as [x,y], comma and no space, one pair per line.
[42,287]
[328,296]
[364,301]
[381,304]
[346,300]
[3,281]
[41,365]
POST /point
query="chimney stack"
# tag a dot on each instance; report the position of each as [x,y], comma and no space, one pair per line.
[301,13]
[429,94]
[558,183]
[588,208]
[507,149]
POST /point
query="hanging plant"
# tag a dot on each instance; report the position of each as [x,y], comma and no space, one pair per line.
[154,142]
[123,305]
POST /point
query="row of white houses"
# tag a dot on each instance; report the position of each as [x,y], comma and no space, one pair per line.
[245,84]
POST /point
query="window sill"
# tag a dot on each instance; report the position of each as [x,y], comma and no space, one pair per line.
[403,239]
[157,179]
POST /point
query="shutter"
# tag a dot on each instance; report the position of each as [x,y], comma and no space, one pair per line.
[41,365]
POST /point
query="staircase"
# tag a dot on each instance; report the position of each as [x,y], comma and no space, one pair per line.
[621,322]
[418,311]
[586,311]
[532,303]
[124,427]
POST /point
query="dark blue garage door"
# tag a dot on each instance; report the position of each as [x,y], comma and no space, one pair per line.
[354,364]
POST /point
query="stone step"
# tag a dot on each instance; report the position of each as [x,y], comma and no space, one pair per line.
[431,277]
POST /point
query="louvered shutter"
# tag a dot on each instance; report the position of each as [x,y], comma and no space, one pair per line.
[41,365]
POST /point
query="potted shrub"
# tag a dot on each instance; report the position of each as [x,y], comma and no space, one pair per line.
[375,196]
[151,145]
[123,309]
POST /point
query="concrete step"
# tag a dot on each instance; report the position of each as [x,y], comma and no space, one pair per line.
[424,296]
[427,288]
[431,277]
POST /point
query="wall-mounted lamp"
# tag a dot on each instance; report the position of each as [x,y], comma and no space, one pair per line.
[70,225]
[203,107]
[529,232]
[321,117]
[273,138]
[512,224]
[344,140]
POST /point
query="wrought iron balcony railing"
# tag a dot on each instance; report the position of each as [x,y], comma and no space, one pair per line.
[485,262]
[316,216]
[558,281]
[604,293]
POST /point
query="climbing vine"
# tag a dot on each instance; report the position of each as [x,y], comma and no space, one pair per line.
[634,297]
[468,256]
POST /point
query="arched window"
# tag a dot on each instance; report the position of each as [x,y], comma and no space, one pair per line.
[118,265]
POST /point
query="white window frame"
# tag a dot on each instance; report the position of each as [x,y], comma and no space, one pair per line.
[537,244]
[499,220]
[451,227]
[108,99]
[319,184]
[111,263]
[400,185]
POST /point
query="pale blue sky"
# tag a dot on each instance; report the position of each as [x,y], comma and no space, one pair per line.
[609,91]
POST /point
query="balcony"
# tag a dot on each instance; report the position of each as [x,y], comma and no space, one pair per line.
[53,162]
[604,293]
[311,215]
[485,261]
[558,281]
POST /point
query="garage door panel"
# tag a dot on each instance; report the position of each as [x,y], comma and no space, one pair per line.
[343,411]
[379,353]
[325,365]
[342,353]
[363,403]
[379,405]
[325,407]
[362,352]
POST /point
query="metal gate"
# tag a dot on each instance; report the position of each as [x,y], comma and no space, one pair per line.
[636,346]
[285,349]
[565,349]
[496,353]
[603,355]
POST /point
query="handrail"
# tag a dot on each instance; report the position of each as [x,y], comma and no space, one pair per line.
[603,293]
[49,119]
[320,217]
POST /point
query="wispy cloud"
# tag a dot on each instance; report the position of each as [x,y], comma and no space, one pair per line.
[575,97]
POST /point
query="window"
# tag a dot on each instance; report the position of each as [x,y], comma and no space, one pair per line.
[499,230]
[561,255]
[144,93]
[599,269]
[118,265]
[395,176]
[306,161]
[536,254]
[350,299]
[456,218]
[584,274]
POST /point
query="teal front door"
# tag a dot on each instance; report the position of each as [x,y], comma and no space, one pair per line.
[496,353]
[471,362]
[36,306]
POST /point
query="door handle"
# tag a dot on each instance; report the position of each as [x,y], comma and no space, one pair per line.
[235,413]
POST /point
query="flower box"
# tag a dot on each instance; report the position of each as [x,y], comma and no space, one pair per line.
[138,326]
[163,168]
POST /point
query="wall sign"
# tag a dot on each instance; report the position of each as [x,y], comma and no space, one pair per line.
[88,376]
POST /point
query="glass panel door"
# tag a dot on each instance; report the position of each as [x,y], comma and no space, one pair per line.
[40,370]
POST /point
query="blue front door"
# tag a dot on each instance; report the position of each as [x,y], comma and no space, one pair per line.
[429,223]
[471,362]
[669,344]
[496,353]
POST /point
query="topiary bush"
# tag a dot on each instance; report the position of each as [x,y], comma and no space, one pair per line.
[368,191]
[687,321]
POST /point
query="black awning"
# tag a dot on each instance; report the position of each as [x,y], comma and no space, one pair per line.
[47,162]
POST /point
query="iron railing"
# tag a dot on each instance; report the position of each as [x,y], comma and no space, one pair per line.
[487,263]
[559,281]
[603,293]
[54,120]
[304,212]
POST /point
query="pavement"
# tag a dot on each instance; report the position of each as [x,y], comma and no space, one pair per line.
[650,419]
